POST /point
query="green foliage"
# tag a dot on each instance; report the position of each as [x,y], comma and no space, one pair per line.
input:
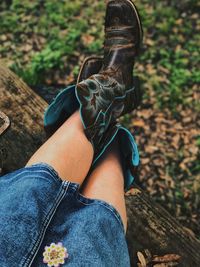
[60,24]
[175,47]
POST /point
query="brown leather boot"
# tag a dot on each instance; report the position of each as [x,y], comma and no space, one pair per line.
[106,96]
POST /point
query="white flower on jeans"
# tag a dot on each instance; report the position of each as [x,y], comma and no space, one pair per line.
[55,254]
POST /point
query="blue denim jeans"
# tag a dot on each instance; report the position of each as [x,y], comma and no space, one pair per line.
[38,211]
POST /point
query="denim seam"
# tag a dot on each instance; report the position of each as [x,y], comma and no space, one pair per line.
[73,187]
[42,177]
[53,173]
[107,206]
[48,168]
[29,258]
[39,171]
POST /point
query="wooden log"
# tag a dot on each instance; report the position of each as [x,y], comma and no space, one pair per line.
[25,110]
[152,227]
[149,225]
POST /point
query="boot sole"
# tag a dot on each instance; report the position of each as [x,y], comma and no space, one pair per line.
[139,23]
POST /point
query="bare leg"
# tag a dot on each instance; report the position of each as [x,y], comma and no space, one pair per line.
[106,182]
[68,151]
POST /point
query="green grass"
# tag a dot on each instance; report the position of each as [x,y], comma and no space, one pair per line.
[59,24]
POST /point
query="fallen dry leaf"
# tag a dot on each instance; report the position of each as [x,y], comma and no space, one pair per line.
[166,258]
[139,123]
[133,191]
[87,39]
[141,259]
[151,149]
